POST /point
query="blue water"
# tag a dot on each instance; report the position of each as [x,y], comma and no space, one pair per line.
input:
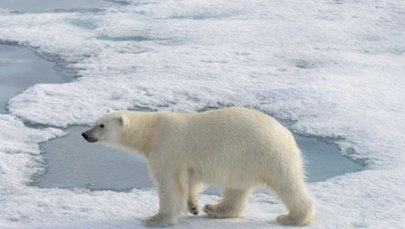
[21,68]
[52,5]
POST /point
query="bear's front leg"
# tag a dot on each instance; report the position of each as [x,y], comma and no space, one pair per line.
[172,200]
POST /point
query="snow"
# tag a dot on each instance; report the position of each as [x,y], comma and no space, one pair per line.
[335,68]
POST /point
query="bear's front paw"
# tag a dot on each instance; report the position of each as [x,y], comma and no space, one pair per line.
[160,220]
[209,210]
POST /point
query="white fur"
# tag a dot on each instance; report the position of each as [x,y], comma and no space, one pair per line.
[237,149]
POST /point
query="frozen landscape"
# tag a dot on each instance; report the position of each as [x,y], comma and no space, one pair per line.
[332,70]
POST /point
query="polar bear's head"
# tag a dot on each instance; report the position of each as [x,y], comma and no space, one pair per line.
[107,129]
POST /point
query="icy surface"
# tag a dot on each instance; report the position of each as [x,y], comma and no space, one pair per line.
[335,68]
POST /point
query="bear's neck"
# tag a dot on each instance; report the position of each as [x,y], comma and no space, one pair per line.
[138,135]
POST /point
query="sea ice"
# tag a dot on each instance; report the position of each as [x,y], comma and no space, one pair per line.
[334,68]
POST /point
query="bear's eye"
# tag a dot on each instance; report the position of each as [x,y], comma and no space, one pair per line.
[101,125]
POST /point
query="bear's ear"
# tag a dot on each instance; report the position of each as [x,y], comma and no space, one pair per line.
[123,120]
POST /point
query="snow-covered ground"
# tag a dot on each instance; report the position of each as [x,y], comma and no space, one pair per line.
[335,68]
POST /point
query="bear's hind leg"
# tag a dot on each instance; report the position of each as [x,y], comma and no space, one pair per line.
[231,206]
[295,195]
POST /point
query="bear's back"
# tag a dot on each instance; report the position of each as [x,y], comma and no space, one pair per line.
[233,142]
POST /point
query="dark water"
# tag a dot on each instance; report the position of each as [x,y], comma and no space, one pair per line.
[21,68]
[72,162]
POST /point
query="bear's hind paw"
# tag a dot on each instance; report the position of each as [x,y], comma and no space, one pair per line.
[284,219]
[288,220]
[214,211]
[192,207]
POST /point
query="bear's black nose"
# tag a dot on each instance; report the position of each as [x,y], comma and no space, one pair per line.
[85,136]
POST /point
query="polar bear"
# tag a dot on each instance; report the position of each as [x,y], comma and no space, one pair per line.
[238,149]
